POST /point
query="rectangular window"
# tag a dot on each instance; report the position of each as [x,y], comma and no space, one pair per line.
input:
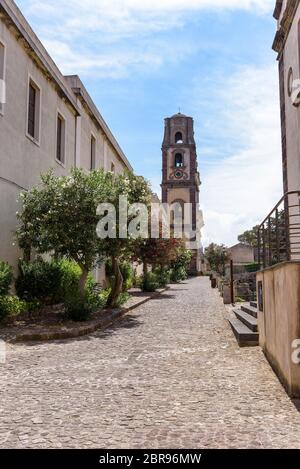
[60,139]
[31,110]
[2,78]
[93,153]
[113,168]
[33,114]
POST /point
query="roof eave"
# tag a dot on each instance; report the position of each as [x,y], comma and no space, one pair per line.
[12,12]
[80,91]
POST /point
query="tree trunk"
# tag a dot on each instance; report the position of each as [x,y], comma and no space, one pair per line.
[145,268]
[118,283]
[82,281]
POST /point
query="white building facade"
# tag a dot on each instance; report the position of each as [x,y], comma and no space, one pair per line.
[47,121]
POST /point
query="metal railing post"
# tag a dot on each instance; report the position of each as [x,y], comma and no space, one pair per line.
[269,243]
[264,247]
[287,227]
[277,238]
[259,248]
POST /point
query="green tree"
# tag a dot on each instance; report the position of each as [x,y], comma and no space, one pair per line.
[181,264]
[137,191]
[60,217]
[157,252]
[249,237]
[217,256]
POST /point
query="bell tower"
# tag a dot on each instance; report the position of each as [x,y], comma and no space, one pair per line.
[180,176]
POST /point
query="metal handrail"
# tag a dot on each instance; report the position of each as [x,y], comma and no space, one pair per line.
[278,205]
[277,240]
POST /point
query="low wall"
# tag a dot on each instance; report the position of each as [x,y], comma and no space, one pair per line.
[279,320]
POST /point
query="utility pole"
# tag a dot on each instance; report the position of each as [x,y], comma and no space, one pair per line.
[231,282]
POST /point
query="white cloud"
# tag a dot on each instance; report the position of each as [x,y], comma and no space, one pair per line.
[239,190]
[100,64]
[114,37]
[81,28]
[123,11]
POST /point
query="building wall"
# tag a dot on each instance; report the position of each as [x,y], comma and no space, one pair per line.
[112,158]
[284,4]
[289,59]
[89,129]
[242,254]
[21,159]
[105,155]
[279,322]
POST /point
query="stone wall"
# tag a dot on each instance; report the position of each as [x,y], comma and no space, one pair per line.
[279,321]
[244,282]
[242,254]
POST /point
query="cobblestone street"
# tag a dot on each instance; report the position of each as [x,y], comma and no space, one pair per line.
[170,374]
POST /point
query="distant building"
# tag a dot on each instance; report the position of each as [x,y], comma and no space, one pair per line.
[181,179]
[242,254]
[48,121]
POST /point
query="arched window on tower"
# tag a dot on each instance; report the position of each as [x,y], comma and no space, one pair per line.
[177,215]
[178,138]
[178,160]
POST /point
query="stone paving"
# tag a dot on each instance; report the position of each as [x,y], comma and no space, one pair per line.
[169,375]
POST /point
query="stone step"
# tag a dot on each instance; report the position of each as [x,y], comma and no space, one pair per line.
[253,304]
[246,319]
[244,336]
[249,310]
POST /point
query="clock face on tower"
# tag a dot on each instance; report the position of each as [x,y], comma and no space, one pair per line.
[178,174]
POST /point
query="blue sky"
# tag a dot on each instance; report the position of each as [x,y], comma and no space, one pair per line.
[141,60]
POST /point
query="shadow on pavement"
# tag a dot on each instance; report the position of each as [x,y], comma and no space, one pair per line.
[296,403]
[165,296]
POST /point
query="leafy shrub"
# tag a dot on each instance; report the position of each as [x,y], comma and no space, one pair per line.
[238,299]
[123,298]
[96,299]
[78,309]
[104,295]
[252,267]
[49,282]
[11,306]
[70,273]
[6,278]
[127,272]
[33,305]
[138,281]
[128,275]
[180,266]
[39,280]
[150,282]
[163,277]
[179,274]
[58,281]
